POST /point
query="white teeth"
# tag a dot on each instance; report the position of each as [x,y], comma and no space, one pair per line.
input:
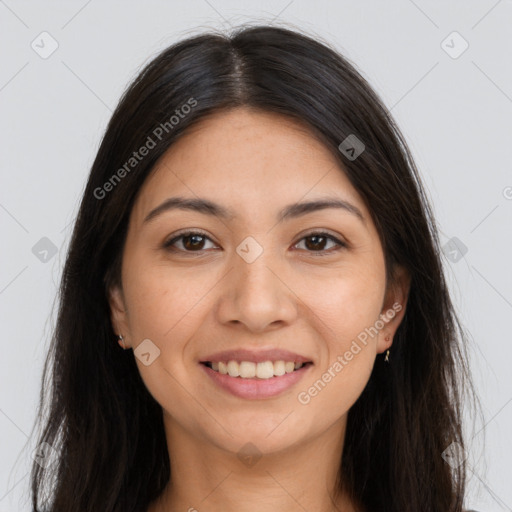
[289,367]
[249,370]
[265,370]
[233,369]
[223,368]
[279,368]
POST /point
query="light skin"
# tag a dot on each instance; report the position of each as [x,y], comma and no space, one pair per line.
[204,297]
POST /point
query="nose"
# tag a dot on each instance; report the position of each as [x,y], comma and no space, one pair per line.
[256,295]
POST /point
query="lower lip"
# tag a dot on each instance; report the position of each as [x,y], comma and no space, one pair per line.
[255,389]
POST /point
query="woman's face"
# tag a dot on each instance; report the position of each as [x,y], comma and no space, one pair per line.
[253,280]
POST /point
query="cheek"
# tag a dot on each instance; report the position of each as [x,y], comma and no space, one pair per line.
[163,310]
[347,302]
[346,309]
[345,315]
[335,389]
[162,302]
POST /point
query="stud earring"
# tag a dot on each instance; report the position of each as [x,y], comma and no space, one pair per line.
[121,341]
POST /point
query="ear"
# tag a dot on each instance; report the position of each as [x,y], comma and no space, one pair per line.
[393,308]
[119,314]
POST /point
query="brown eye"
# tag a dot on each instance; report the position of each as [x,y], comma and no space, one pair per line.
[316,242]
[192,241]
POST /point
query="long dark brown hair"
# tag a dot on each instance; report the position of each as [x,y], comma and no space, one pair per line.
[105,428]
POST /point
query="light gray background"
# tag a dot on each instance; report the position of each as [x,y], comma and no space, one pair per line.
[455,114]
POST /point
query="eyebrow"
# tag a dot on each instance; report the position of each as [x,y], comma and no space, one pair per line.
[207,207]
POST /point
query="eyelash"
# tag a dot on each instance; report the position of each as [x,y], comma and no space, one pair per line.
[168,245]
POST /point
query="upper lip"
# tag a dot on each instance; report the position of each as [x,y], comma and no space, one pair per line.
[255,356]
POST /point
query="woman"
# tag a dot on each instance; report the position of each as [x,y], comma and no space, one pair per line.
[255,236]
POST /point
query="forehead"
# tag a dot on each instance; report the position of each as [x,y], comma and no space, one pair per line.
[247,159]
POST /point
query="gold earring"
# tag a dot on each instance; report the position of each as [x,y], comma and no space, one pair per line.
[387,352]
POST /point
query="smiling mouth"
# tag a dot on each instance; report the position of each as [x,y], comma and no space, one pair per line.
[251,370]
